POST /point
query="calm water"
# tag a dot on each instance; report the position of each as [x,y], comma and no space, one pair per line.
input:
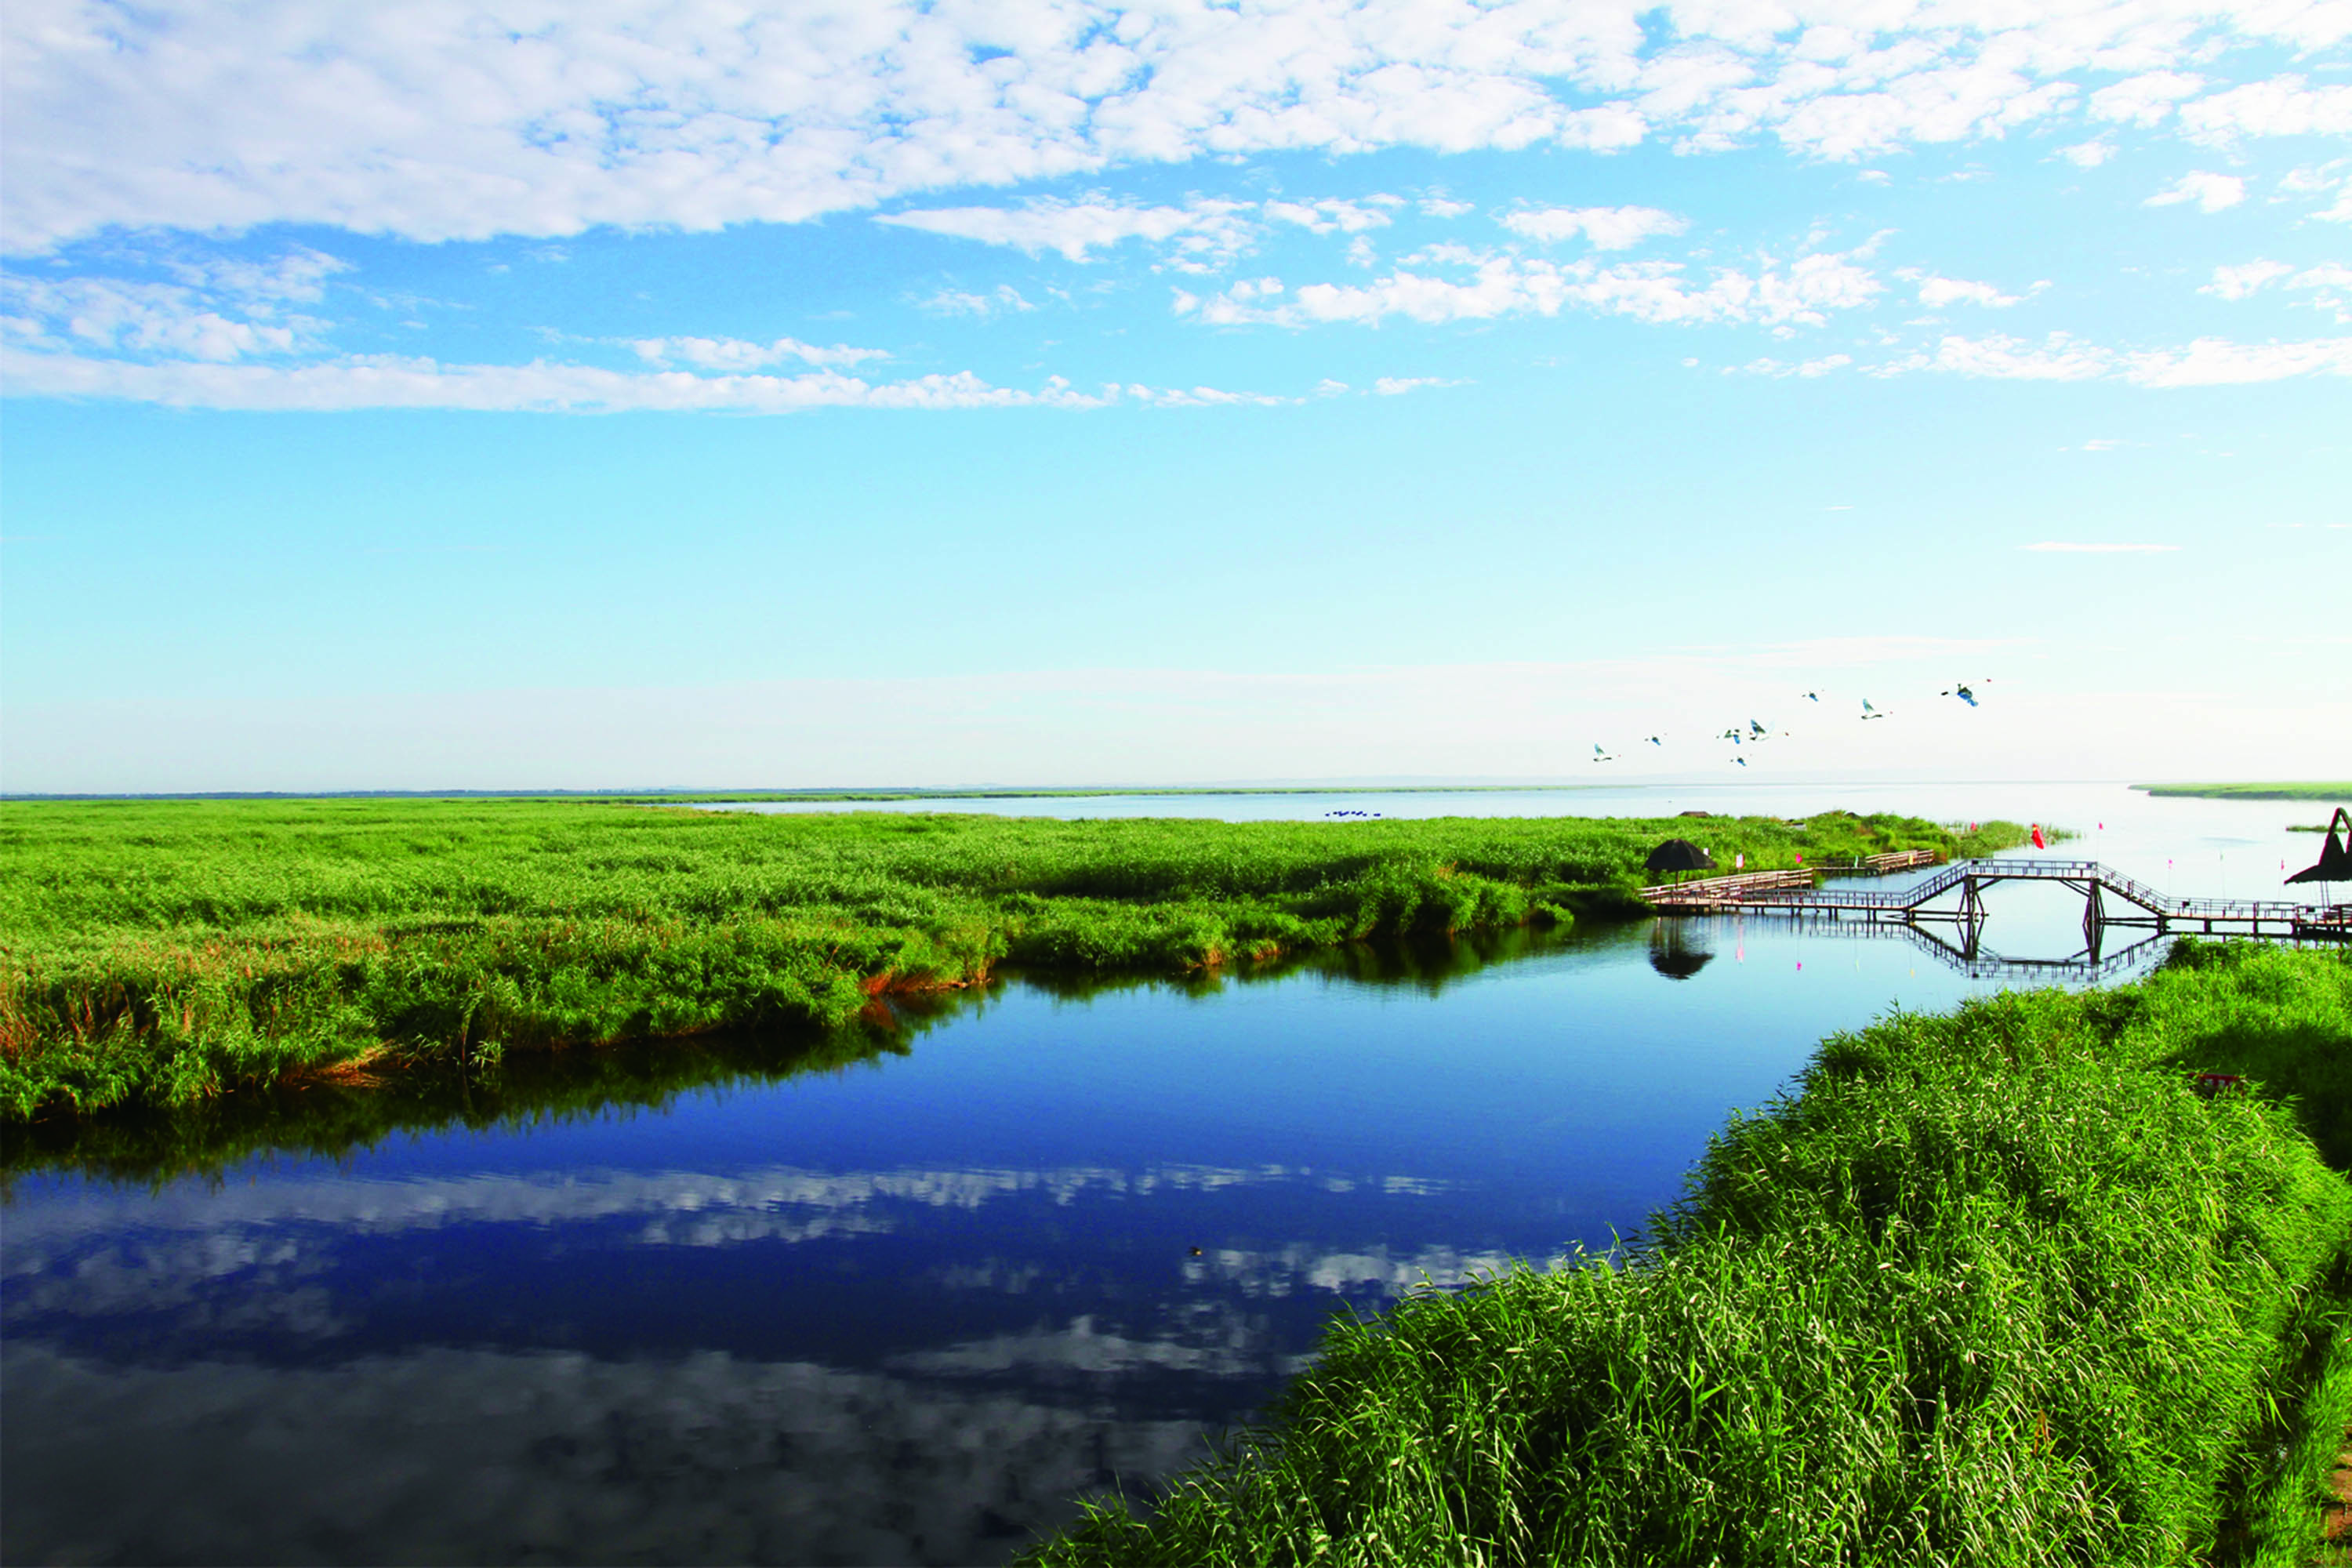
[908,1311]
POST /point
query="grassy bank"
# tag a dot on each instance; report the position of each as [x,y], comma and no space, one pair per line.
[335,1116]
[160,953]
[1991,1288]
[2330,791]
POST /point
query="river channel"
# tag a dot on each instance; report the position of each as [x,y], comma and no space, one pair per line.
[909,1309]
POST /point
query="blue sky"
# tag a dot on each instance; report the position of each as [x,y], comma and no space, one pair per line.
[614,394]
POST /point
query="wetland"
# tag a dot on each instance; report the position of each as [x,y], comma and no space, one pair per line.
[906,1284]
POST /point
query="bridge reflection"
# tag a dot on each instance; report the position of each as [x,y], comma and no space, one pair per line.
[1678,950]
[1944,914]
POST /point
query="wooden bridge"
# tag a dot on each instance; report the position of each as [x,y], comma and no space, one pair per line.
[2109,898]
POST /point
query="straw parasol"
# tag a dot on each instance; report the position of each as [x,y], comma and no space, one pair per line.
[1679,854]
[2334,859]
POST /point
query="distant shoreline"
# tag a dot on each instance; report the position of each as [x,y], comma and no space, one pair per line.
[2253,791]
[885,793]
[626,796]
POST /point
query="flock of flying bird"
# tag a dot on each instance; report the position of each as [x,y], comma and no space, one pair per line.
[1756,734]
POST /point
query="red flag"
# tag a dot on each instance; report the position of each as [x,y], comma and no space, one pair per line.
[2038,844]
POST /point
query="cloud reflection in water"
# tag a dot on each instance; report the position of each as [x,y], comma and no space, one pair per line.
[452,1455]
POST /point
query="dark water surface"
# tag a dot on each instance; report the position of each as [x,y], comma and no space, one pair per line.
[904,1311]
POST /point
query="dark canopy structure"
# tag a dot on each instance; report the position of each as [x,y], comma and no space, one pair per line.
[1679,854]
[2334,859]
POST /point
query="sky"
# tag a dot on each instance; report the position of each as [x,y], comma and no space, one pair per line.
[613,395]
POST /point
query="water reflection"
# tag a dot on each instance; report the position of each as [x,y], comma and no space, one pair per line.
[448,1454]
[1673,954]
[897,1296]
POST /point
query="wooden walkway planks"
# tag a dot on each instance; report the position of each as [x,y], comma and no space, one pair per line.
[2133,904]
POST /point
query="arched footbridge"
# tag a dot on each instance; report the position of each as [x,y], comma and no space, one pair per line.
[1955,893]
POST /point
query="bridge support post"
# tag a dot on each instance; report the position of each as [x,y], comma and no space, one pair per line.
[2094,918]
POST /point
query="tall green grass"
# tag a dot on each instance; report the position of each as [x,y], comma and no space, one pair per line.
[334,1116]
[160,953]
[1991,1287]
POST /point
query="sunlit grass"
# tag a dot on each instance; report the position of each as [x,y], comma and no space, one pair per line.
[1991,1287]
[160,953]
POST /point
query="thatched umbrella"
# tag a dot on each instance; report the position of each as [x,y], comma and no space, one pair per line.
[1679,854]
[2334,859]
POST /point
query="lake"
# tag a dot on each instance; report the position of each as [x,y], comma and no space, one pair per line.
[907,1309]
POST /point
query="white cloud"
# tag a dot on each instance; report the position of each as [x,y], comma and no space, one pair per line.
[1808,369]
[2207,362]
[2147,98]
[2213,362]
[2057,358]
[734,354]
[1937,292]
[2237,282]
[2281,106]
[2088,155]
[2211,191]
[1658,292]
[1323,217]
[442,121]
[392,381]
[1608,228]
[2058,547]
[1004,297]
[217,311]
[139,318]
[2248,278]
[1198,397]
[1076,227]
[1440,207]
[1397,385]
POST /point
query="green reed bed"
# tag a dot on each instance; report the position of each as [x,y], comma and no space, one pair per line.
[2313,791]
[1991,1288]
[158,952]
[333,1116]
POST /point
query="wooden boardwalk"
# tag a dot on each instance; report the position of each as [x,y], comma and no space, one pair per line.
[2109,898]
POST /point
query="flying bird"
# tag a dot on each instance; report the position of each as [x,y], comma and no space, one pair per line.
[1870,712]
[1756,729]
[1812,697]
[1655,742]
[1741,761]
[1600,756]
[1962,691]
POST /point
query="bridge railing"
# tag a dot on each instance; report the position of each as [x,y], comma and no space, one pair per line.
[1738,884]
[1778,889]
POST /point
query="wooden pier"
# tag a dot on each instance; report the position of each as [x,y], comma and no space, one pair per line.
[2109,898]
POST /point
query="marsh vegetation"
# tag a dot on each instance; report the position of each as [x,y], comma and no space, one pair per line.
[1991,1286]
[2316,791]
[158,953]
